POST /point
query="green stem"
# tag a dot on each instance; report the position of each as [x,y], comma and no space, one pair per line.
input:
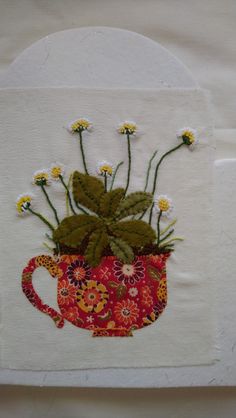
[171,240]
[156,173]
[82,152]
[50,204]
[129,163]
[168,227]
[67,193]
[115,172]
[48,246]
[42,219]
[82,209]
[166,236]
[158,227]
[48,237]
[148,170]
[105,182]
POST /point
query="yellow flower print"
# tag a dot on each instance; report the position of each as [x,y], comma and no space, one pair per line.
[92,296]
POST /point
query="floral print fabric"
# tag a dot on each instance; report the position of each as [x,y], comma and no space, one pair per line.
[112,299]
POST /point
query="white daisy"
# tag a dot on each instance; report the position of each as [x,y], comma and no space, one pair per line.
[80,125]
[23,203]
[104,168]
[41,178]
[188,136]
[57,170]
[127,127]
[164,205]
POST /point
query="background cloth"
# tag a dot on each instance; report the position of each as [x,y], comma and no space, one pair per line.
[40,137]
[202,35]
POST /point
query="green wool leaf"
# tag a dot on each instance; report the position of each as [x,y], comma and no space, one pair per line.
[97,243]
[134,203]
[74,229]
[136,233]
[110,201]
[121,250]
[87,190]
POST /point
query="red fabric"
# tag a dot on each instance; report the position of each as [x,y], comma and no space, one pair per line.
[112,299]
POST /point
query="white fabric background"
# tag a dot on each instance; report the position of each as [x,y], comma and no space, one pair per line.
[202,34]
[40,137]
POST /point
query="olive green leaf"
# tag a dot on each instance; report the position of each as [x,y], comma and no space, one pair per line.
[97,242]
[121,249]
[87,190]
[74,229]
[120,291]
[134,203]
[110,201]
[136,233]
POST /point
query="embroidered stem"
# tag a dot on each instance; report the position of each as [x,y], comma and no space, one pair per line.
[48,237]
[42,219]
[156,173]
[82,151]
[67,193]
[115,172]
[168,227]
[105,182]
[48,247]
[67,200]
[170,241]
[129,163]
[158,227]
[82,209]
[50,204]
[148,170]
[166,236]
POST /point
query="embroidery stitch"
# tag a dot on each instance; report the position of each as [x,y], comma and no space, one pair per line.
[110,267]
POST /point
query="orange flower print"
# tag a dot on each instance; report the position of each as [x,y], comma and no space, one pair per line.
[72,313]
[92,296]
[66,293]
[146,298]
[126,312]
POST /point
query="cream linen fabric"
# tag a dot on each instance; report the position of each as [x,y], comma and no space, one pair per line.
[34,135]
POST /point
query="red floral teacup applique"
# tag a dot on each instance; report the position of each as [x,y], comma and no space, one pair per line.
[108,259]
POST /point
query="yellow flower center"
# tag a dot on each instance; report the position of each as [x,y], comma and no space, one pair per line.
[22,203]
[56,172]
[130,128]
[80,124]
[106,169]
[40,176]
[163,204]
[189,135]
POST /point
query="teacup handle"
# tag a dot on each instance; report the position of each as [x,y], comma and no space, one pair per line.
[27,286]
